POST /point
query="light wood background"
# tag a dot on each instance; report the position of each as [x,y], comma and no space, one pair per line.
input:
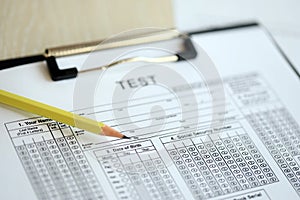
[27,27]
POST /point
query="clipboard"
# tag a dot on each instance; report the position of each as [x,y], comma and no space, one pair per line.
[283,66]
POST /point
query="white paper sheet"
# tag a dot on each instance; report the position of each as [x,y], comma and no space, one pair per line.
[190,142]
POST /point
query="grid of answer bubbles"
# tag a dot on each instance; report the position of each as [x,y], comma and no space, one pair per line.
[139,174]
[56,166]
[281,135]
[222,166]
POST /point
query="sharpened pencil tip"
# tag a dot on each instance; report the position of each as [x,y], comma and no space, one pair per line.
[125,137]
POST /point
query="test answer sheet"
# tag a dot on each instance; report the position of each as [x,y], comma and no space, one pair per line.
[231,135]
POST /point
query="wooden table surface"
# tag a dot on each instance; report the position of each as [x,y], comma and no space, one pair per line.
[27,27]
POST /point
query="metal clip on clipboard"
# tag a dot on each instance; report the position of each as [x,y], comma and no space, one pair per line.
[57,74]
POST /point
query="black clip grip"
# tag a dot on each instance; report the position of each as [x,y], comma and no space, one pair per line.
[59,74]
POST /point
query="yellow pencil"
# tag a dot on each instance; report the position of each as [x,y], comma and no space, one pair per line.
[57,114]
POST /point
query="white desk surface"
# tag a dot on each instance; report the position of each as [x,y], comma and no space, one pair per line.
[281,17]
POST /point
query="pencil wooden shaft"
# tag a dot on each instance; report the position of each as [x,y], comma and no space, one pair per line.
[51,112]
